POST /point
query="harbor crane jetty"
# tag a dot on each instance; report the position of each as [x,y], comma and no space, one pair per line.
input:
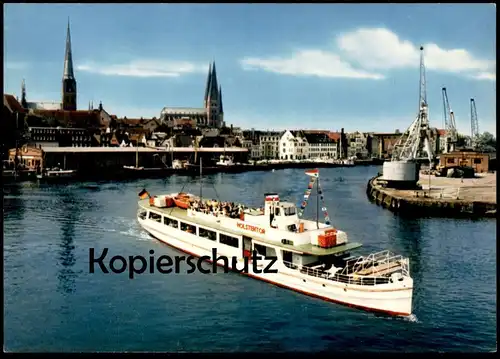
[402,188]
[403,169]
[450,125]
[474,134]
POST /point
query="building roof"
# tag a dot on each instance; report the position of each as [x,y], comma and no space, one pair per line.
[78,118]
[272,133]
[131,121]
[12,104]
[183,111]
[315,131]
[318,138]
[217,141]
[297,133]
[335,135]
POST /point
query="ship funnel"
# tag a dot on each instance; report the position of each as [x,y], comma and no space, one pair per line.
[271,199]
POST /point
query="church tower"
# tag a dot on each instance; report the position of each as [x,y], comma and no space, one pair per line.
[213,99]
[68,81]
[24,103]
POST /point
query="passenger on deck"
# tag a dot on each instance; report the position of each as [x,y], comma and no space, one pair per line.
[228,209]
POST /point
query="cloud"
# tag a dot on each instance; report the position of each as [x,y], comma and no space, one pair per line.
[10,65]
[486,76]
[144,68]
[308,63]
[368,53]
[382,49]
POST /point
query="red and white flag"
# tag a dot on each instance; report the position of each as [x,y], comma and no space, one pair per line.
[313,173]
[272,198]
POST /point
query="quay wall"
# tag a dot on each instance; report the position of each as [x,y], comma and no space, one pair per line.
[98,159]
[402,203]
[108,162]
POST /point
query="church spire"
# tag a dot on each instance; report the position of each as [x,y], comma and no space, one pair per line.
[68,57]
[23,95]
[209,77]
[214,88]
[221,109]
[69,98]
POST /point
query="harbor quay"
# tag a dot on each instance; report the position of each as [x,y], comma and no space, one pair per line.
[439,196]
[104,162]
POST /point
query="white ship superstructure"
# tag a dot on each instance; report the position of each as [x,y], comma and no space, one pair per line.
[310,256]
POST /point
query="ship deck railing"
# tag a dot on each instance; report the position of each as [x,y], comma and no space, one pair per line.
[378,263]
[339,277]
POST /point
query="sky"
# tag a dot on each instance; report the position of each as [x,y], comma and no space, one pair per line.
[289,66]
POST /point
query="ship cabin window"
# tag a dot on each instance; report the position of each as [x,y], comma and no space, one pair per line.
[261,250]
[310,260]
[477,161]
[143,214]
[277,211]
[287,241]
[206,233]
[155,217]
[264,251]
[188,228]
[288,259]
[289,211]
[228,240]
[170,222]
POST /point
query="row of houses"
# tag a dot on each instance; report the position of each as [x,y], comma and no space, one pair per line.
[96,127]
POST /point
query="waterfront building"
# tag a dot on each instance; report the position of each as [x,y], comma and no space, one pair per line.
[336,138]
[211,115]
[293,145]
[357,145]
[441,141]
[320,145]
[60,137]
[250,141]
[138,125]
[269,144]
[383,143]
[477,160]
[28,157]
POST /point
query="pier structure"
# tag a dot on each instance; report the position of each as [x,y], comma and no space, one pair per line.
[439,196]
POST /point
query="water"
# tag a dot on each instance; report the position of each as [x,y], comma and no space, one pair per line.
[53,303]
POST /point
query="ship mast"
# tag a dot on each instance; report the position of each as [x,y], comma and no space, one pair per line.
[201,178]
[317,203]
[137,155]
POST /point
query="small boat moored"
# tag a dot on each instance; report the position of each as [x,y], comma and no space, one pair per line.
[56,175]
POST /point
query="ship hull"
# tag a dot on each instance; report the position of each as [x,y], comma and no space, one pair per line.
[390,299]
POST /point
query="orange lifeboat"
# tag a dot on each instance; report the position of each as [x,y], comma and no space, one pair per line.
[328,239]
[182,200]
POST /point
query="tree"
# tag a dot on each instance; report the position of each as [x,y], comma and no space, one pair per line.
[462,140]
[486,142]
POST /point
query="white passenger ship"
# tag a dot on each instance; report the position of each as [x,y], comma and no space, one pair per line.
[312,257]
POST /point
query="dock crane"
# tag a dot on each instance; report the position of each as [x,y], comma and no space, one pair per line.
[449,124]
[474,123]
[402,171]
